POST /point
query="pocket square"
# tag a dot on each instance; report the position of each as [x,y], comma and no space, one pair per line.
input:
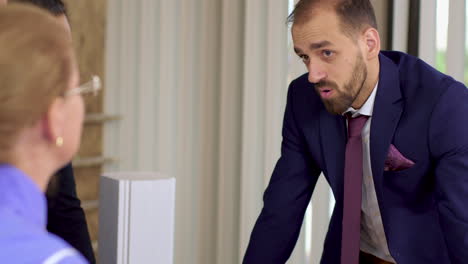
[396,161]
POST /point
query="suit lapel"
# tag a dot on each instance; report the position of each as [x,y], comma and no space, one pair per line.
[333,135]
[387,111]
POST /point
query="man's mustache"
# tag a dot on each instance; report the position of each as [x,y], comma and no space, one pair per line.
[327,84]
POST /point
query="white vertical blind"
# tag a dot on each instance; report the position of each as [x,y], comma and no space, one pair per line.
[400,25]
[456,39]
[112,91]
[208,129]
[254,116]
[230,102]
[321,205]
[427,33]
[147,77]
[187,206]
[163,121]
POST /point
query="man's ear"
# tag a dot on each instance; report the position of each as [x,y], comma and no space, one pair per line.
[53,121]
[371,41]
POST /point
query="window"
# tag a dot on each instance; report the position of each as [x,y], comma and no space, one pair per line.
[441,34]
[450,34]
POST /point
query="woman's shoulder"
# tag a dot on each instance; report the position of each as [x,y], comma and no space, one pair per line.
[25,243]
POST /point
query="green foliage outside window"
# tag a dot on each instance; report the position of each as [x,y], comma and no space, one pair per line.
[441,64]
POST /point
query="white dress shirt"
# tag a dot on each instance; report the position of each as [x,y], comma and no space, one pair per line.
[373,239]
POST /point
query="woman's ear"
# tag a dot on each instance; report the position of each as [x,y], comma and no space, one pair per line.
[371,40]
[53,122]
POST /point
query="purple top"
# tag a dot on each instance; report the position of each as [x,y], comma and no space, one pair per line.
[23,235]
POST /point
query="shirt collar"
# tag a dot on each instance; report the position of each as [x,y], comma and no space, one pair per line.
[22,196]
[368,106]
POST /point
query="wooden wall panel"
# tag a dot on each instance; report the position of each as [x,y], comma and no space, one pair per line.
[87,182]
[88,23]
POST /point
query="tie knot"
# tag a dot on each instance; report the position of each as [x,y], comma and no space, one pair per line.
[355,125]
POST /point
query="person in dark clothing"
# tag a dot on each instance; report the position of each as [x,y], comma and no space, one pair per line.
[66,217]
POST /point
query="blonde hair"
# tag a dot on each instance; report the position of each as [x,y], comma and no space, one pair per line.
[36,66]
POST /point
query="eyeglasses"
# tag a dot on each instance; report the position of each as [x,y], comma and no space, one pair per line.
[92,86]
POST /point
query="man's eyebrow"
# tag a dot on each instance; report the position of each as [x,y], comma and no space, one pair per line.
[313,46]
[297,50]
[320,44]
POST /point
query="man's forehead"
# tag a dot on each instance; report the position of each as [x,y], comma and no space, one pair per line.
[321,17]
[322,27]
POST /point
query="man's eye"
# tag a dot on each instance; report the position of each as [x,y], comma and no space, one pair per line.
[327,53]
[304,58]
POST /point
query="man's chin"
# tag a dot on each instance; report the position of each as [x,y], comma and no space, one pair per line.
[334,108]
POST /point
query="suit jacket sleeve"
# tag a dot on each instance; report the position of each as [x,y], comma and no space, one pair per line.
[286,197]
[66,218]
[449,148]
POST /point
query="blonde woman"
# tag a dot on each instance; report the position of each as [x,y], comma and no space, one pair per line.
[65,216]
[41,116]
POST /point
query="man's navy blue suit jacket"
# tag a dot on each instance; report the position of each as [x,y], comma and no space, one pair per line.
[424,113]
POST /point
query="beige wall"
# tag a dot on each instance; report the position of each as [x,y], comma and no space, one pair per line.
[381,8]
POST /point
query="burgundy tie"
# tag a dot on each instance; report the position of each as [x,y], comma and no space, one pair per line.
[351,235]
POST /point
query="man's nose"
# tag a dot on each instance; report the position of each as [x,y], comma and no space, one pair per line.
[316,73]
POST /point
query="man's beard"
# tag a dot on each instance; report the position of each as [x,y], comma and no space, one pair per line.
[344,99]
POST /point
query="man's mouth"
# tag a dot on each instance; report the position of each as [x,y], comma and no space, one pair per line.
[325,92]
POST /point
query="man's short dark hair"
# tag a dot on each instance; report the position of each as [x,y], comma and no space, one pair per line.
[56,7]
[354,15]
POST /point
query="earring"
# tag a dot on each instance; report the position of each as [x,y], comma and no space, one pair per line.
[59,141]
